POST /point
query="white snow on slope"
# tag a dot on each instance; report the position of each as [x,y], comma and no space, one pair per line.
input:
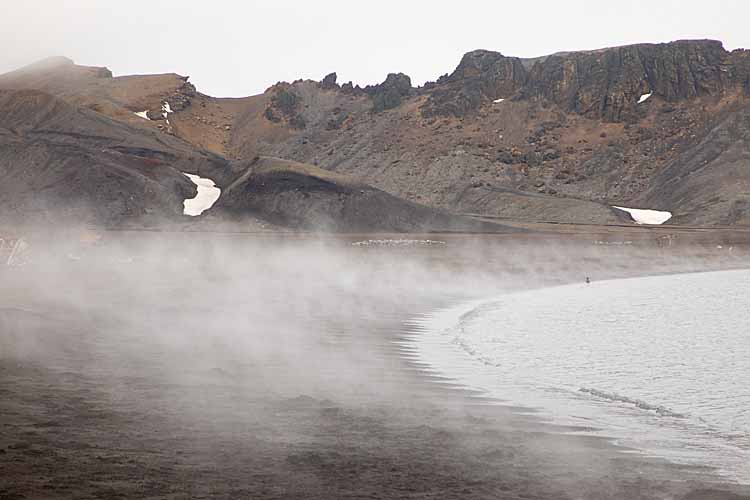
[643,216]
[498,101]
[207,195]
[645,97]
[165,110]
[143,114]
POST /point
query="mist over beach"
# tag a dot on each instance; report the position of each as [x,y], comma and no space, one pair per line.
[151,353]
[315,250]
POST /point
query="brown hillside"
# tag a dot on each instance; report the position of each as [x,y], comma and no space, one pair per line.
[302,196]
[568,140]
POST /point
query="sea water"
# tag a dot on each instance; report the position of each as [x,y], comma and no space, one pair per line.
[661,364]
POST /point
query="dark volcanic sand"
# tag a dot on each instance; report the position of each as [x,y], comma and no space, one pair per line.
[236,369]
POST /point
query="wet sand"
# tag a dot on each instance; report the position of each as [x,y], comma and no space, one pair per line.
[242,370]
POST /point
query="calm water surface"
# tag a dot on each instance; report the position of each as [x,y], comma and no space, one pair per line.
[660,363]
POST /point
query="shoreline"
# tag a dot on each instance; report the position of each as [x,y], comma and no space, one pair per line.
[421,352]
[282,380]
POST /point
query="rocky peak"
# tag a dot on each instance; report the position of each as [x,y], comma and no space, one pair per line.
[485,64]
[181,98]
[482,76]
[390,93]
[329,82]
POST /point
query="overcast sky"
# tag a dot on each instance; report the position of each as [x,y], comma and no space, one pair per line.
[237,48]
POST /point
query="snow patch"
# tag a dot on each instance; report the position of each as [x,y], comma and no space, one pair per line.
[143,114]
[165,110]
[644,216]
[498,101]
[207,195]
[645,97]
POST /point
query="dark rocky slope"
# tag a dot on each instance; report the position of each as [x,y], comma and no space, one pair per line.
[305,197]
[59,162]
[62,164]
[710,182]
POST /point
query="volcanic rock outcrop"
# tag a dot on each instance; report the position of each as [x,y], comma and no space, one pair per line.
[481,77]
[302,196]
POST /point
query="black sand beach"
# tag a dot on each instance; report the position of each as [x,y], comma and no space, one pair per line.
[145,366]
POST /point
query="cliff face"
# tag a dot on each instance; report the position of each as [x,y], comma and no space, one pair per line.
[603,84]
[607,84]
[739,65]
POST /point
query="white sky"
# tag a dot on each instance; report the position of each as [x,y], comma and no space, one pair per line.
[236,48]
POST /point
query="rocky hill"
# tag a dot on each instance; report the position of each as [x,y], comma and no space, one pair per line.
[60,162]
[66,165]
[557,138]
[291,194]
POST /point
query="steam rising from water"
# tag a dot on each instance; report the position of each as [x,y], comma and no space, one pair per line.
[188,328]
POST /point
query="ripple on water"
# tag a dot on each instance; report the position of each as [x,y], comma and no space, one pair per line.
[659,362]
